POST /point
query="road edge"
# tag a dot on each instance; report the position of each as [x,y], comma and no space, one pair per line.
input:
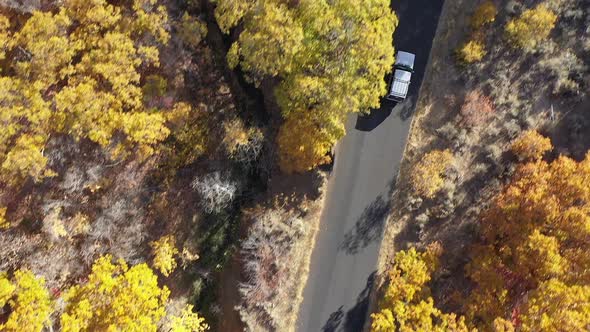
[315,217]
[393,228]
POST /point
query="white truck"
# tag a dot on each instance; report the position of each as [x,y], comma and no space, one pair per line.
[402,75]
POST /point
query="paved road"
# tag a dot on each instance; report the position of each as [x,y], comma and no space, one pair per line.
[367,158]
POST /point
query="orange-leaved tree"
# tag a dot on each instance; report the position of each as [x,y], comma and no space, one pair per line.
[531,266]
[476,109]
[531,145]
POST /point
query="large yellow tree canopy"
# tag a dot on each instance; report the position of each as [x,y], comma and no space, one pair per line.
[331,57]
[77,72]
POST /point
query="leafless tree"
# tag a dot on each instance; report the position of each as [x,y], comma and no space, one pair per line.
[217,191]
[248,153]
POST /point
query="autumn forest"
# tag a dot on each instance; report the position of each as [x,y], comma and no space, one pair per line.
[165,164]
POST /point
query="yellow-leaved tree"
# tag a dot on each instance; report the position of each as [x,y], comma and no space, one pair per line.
[472,51]
[428,173]
[407,305]
[531,27]
[330,58]
[4,223]
[188,321]
[29,302]
[77,71]
[164,251]
[308,148]
[115,298]
[531,266]
[5,36]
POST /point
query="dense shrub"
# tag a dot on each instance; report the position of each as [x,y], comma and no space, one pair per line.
[270,252]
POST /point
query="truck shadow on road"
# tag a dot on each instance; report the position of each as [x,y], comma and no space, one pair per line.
[369,226]
[368,122]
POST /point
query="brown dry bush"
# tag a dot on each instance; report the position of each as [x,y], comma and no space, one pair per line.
[270,252]
[477,109]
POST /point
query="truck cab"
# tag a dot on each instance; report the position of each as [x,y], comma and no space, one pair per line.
[402,76]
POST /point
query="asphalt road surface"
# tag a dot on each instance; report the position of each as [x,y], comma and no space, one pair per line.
[344,259]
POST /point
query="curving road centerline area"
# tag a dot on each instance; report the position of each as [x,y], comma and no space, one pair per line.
[344,258]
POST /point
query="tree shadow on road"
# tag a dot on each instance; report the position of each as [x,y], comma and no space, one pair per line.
[369,226]
[334,320]
[355,317]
